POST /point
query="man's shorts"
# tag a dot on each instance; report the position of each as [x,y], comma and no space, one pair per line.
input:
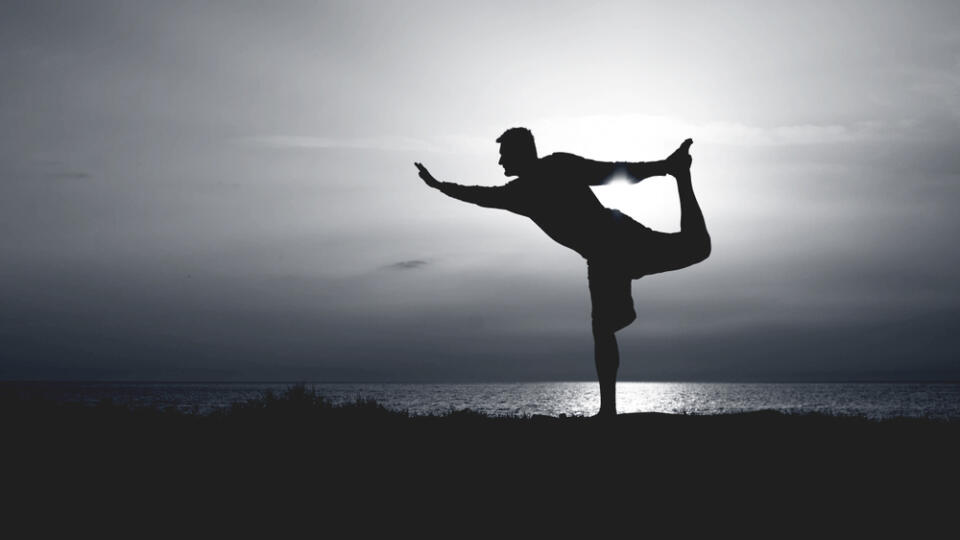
[610,296]
[614,265]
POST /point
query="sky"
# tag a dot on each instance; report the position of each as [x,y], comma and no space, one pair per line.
[226,190]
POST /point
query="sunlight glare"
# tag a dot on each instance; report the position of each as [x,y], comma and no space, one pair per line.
[652,202]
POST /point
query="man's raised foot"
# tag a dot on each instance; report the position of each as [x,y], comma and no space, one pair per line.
[679,161]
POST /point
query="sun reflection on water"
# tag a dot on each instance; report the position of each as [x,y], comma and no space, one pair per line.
[876,400]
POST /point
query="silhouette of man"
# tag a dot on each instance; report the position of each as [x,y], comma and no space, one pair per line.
[554,192]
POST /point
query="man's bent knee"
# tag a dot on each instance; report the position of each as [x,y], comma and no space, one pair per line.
[611,325]
[702,248]
[689,251]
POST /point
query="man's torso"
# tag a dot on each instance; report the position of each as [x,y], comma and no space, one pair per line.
[561,204]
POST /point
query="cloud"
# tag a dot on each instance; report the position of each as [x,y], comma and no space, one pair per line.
[389,143]
[406,265]
[620,134]
[456,144]
[639,128]
[69,175]
[792,135]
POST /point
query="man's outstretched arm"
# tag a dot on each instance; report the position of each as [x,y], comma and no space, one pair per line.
[596,173]
[490,197]
[637,171]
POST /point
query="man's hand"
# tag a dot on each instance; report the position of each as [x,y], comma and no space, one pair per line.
[427,177]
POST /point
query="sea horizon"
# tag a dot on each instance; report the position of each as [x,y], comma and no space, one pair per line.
[878,400]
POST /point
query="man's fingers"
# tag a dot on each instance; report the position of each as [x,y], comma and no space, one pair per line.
[425,174]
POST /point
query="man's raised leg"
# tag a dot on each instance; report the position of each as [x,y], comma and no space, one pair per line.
[692,226]
[664,252]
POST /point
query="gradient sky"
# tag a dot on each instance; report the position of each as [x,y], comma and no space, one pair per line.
[226,190]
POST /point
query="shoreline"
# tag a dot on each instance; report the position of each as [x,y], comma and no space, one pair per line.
[362,449]
[873,400]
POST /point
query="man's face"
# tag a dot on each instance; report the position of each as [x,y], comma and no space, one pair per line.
[509,162]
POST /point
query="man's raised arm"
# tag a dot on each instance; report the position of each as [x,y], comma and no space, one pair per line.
[596,173]
[490,197]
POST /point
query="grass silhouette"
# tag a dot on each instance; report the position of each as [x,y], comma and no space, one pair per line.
[299,432]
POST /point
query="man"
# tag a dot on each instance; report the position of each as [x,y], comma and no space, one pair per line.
[554,192]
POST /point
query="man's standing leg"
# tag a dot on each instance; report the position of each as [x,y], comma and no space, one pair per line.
[612,306]
[606,355]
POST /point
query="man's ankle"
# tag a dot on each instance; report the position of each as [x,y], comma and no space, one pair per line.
[607,412]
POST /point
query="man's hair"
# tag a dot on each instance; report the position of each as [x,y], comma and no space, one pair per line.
[519,139]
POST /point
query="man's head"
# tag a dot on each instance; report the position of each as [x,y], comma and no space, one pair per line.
[518,153]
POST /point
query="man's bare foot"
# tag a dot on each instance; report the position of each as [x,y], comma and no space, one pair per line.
[679,161]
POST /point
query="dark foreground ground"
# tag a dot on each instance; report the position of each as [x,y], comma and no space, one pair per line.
[362,454]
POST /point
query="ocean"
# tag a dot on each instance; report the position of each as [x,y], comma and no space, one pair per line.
[872,400]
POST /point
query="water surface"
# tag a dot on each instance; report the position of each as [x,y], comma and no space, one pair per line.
[873,400]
